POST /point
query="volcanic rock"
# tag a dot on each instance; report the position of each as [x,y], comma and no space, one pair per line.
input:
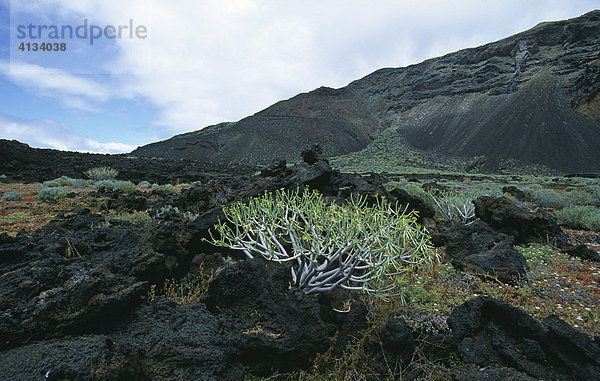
[492,332]
[283,327]
[504,215]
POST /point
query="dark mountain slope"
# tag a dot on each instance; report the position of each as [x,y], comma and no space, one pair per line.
[534,124]
[532,98]
[340,123]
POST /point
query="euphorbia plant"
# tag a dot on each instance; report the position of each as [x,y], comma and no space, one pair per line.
[353,246]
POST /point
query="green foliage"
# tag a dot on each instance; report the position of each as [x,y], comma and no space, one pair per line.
[165,189]
[144,184]
[62,181]
[101,173]
[12,196]
[580,217]
[135,217]
[536,253]
[169,211]
[456,207]
[186,290]
[124,186]
[53,193]
[547,197]
[585,195]
[353,246]
[16,217]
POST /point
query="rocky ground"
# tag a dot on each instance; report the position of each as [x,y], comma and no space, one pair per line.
[94,291]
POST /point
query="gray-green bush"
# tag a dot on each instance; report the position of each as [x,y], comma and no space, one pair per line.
[62,181]
[124,186]
[580,217]
[12,196]
[144,184]
[52,193]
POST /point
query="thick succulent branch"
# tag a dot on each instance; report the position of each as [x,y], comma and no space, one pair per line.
[352,246]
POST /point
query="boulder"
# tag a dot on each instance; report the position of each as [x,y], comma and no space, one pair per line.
[503,215]
[482,250]
[581,251]
[492,332]
[283,326]
[412,203]
[162,341]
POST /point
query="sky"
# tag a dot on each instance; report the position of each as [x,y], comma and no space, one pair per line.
[182,65]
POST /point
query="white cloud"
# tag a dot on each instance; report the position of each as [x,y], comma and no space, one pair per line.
[45,133]
[73,91]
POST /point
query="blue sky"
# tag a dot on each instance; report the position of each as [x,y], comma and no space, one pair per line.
[208,61]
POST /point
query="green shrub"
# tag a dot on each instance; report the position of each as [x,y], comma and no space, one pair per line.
[577,197]
[62,181]
[101,173]
[12,196]
[455,206]
[135,217]
[168,212]
[352,246]
[144,184]
[547,197]
[53,193]
[83,183]
[580,217]
[105,184]
[166,189]
[124,186]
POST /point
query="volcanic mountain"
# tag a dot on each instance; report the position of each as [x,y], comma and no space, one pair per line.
[531,99]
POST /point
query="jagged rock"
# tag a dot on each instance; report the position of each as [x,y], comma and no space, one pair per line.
[490,373]
[311,156]
[283,327]
[397,336]
[492,332]
[413,203]
[344,316]
[481,249]
[504,215]
[276,168]
[516,193]
[163,341]
[77,274]
[583,252]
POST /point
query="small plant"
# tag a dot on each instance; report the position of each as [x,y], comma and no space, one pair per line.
[12,196]
[351,246]
[547,197]
[105,184]
[124,186]
[580,217]
[165,189]
[168,212]
[187,290]
[101,173]
[455,207]
[53,193]
[144,184]
[62,181]
[135,217]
